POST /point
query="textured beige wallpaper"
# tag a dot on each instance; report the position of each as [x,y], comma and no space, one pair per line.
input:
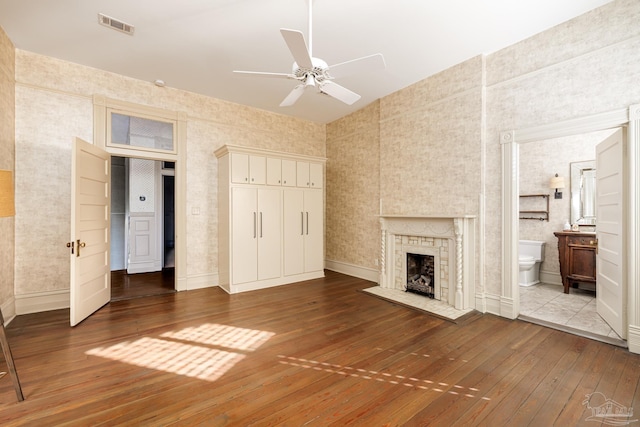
[7,157]
[353,158]
[54,104]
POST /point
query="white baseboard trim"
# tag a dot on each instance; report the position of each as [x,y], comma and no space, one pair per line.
[633,339]
[551,278]
[492,304]
[42,301]
[353,270]
[201,281]
[481,302]
[9,310]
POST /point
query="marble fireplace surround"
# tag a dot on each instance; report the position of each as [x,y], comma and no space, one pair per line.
[451,236]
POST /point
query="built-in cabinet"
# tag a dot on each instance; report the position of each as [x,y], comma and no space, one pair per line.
[271,218]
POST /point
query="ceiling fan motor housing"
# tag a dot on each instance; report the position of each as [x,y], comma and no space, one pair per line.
[318,72]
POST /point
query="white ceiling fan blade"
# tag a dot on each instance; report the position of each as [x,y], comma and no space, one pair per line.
[261,74]
[293,96]
[356,66]
[339,92]
[298,47]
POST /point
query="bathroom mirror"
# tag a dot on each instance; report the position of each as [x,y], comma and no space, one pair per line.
[583,193]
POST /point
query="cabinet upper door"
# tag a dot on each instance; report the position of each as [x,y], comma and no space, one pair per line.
[302,175]
[289,173]
[274,171]
[315,175]
[239,168]
[257,170]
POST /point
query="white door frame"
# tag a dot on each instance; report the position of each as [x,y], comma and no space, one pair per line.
[100,104]
[509,141]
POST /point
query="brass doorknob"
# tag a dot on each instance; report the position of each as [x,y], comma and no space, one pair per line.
[79,245]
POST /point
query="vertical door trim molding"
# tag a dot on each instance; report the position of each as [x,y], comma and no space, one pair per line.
[633,229]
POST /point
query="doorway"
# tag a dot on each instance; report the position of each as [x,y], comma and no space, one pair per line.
[509,304]
[142,228]
[545,302]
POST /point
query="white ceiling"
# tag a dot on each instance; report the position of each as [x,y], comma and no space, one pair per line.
[195,45]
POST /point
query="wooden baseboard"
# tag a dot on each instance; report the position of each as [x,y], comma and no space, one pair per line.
[353,270]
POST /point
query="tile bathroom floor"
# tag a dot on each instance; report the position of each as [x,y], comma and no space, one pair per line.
[573,312]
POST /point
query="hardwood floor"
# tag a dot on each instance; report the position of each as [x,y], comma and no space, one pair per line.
[313,353]
[126,286]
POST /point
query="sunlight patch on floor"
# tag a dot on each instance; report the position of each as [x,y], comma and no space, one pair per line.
[205,352]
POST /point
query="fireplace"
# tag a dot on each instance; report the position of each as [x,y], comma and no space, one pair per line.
[420,274]
[430,256]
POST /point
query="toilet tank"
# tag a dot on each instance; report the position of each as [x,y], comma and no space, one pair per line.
[532,248]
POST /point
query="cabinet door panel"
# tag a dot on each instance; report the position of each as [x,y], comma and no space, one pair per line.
[302,175]
[293,243]
[313,245]
[257,170]
[269,234]
[289,173]
[244,244]
[239,168]
[274,171]
[315,175]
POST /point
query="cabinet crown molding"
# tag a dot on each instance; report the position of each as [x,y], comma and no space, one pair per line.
[226,149]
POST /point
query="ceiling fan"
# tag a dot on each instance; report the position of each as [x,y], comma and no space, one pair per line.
[314,72]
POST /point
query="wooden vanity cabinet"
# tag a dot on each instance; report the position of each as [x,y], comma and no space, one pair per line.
[577,252]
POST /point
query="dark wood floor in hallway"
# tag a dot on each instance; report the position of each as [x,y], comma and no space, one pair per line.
[315,353]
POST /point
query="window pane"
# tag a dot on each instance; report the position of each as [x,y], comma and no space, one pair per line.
[139,132]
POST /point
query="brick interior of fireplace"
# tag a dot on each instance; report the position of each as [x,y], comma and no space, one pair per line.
[420,274]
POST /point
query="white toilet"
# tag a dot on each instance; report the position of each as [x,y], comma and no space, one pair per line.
[530,255]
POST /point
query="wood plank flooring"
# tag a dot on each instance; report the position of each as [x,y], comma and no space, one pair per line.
[315,353]
[126,286]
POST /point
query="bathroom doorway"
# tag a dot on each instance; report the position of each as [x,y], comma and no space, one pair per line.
[543,300]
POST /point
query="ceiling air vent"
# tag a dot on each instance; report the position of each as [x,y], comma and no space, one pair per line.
[112,23]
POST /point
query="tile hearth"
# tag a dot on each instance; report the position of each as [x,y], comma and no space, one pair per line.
[419,302]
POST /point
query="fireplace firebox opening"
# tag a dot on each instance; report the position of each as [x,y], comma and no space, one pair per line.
[420,274]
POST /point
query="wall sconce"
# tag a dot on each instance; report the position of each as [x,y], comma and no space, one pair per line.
[556,183]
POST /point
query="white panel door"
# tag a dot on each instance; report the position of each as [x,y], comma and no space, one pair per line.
[610,290]
[143,257]
[90,277]
[294,228]
[269,234]
[314,231]
[244,229]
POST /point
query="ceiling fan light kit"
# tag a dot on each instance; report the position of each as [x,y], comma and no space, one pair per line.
[314,72]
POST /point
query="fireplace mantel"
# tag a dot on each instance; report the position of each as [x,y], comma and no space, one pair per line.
[458,231]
